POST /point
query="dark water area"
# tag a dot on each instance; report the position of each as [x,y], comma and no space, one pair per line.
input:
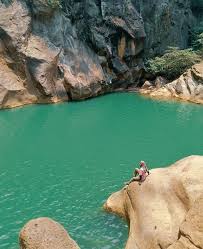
[63,161]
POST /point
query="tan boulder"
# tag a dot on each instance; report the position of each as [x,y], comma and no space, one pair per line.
[156,209]
[160,82]
[197,72]
[44,233]
[191,230]
[147,85]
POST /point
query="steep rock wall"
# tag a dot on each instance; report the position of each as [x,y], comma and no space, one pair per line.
[83,48]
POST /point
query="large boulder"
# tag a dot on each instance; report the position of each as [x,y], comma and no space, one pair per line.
[44,233]
[156,209]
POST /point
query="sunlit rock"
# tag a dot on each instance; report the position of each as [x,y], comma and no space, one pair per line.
[161,211]
[44,233]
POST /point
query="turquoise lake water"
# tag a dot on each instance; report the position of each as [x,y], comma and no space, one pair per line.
[63,161]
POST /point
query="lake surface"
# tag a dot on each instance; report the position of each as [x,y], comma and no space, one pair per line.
[63,161]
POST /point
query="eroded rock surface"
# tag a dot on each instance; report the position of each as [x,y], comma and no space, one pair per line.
[44,233]
[191,230]
[82,48]
[163,25]
[165,209]
[188,87]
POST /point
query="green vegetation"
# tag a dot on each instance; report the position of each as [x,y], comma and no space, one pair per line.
[197,36]
[176,61]
[198,44]
[54,3]
[173,63]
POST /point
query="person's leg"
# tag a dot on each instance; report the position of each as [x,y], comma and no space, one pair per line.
[133,179]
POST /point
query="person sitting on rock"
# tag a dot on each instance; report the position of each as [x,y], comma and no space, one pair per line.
[143,166]
[139,174]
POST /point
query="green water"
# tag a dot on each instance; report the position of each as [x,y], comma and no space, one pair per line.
[64,160]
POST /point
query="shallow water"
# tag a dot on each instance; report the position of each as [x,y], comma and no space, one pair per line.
[64,160]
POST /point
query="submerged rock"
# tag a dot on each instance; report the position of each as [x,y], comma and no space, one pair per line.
[188,87]
[44,233]
[165,211]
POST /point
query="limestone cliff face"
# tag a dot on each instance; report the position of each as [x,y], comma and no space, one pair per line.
[83,48]
[165,211]
[167,23]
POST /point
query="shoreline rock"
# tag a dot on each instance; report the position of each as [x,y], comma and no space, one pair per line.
[156,209]
[188,87]
[44,233]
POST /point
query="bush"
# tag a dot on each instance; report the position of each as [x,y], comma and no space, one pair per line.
[54,3]
[195,33]
[173,63]
[198,43]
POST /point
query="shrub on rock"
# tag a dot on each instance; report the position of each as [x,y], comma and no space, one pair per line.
[198,43]
[173,63]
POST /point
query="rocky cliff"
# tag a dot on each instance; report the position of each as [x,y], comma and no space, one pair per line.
[165,211]
[72,50]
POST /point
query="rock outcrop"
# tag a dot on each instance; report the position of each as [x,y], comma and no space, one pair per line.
[80,49]
[188,87]
[166,210]
[191,231]
[44,233]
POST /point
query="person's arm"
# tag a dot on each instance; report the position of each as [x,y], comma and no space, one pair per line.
[135,172]
[147,169]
